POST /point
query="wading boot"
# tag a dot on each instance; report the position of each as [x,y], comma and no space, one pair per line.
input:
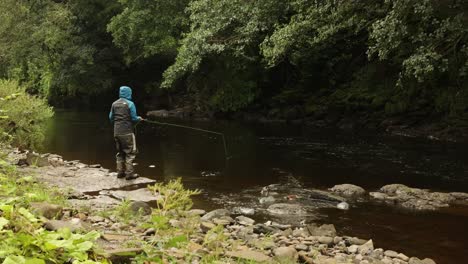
[120,170]
[131,176]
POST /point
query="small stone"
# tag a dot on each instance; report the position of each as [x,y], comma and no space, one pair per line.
[244,211]
[355,241]
[301,247]
[152,166]
[390,253]
[215,214]
[337,240]
[325,240]
[207,226]
[300,233]
[348,190]
[402,257]
[367,248]
[267,200]
[96,219]
[245,220]
[323,230]
[353,249]
[286,253]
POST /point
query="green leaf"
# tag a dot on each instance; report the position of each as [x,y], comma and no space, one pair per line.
[24,212]
[3,222]
[14,260]
[34,261]
[84,246]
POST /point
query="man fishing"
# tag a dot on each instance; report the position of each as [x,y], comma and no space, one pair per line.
[123,114]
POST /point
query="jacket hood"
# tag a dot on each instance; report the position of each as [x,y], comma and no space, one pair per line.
[125,92]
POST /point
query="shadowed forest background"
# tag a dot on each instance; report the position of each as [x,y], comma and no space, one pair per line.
[294,59]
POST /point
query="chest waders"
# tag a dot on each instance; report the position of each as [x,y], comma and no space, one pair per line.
[124,140]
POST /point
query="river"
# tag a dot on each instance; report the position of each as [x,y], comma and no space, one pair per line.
[263,154]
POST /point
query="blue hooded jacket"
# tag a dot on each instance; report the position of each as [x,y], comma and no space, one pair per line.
[125,93]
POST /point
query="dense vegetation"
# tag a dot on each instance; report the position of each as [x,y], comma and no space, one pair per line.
[385,57]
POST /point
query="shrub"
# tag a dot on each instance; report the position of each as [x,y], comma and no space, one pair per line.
[22,116]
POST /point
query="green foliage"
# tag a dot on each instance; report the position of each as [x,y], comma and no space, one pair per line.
[172,196]
[148,28]
[22,237]
[23,115]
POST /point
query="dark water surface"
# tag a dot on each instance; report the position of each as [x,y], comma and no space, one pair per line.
[318,158]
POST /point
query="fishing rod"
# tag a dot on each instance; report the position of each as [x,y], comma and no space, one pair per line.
[226,154]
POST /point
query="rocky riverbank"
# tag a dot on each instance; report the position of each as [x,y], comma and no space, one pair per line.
[406,126]
[133,230]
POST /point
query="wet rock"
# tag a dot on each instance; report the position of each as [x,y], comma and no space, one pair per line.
[414,198]
[343,206]
[143,195]
[264,229]
[348,190]
[245,220]
[84,180]
[140,207]
[367,248]
[47,210]
[215,214]
[199,212]
[355,241]
[286,253]
[418,261]
[323,230]
[249,255]
[286,209]
[244,211]
[267,200]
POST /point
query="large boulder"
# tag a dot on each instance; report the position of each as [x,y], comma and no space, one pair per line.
[348,190]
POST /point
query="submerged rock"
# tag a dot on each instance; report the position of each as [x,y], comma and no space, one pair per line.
[343,206]
[286,209]
[418,199]
[348,190]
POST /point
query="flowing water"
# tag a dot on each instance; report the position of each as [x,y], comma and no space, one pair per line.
[266,154]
